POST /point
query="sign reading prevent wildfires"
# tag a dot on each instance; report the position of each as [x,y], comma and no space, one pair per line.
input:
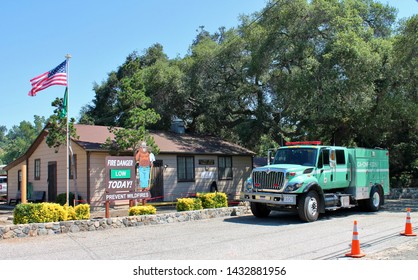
[120,179]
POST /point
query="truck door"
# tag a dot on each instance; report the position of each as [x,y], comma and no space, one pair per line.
[341,170]
[333,168]
[324,171]
[333,171]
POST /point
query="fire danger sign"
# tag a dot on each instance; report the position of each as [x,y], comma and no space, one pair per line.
[120,174]
[120,179]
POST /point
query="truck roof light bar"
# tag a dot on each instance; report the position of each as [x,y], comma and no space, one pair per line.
[303,143]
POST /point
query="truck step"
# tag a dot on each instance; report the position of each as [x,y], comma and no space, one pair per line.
[333,208]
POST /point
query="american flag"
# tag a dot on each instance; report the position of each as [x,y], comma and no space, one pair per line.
[57,76]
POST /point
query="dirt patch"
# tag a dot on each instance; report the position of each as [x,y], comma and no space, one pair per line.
[406,251]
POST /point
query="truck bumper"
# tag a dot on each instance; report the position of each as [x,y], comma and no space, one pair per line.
[270,198]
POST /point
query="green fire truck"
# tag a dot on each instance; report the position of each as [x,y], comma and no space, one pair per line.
[310,178]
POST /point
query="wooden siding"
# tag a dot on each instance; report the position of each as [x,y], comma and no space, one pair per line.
[97,178]
[204,175]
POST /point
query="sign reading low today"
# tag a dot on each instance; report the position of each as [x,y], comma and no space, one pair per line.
[120,177]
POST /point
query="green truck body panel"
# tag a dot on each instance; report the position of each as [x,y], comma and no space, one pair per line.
[371,168]
[341,176]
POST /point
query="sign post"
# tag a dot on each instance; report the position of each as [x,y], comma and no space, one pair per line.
[120,180]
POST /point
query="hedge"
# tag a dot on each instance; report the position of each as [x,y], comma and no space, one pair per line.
[202,201]
[45,212]
[142,210]
[188,204]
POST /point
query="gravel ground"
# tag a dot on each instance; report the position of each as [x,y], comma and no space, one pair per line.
[406,251]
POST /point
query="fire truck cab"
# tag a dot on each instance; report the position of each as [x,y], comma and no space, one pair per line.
[311,178]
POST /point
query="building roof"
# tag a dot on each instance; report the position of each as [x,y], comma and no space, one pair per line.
[91,138]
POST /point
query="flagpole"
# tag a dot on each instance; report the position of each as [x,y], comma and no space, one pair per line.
[67,57]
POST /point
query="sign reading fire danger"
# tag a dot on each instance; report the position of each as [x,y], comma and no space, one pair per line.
[120,179]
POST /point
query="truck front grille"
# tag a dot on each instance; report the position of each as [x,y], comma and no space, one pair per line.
[268,180]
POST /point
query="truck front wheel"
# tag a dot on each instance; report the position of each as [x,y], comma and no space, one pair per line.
[259,210]
[308,207]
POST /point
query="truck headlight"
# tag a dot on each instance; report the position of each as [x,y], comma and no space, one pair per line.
[248,186]
[293,187]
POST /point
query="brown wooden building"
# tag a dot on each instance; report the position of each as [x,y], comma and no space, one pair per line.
[185,165]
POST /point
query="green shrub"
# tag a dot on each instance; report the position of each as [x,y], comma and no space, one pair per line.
[213,200]
[22,213]
[38,213]
[62,198]
[49,212]
[188,204]
[70,212]
[142,210]
[82,212]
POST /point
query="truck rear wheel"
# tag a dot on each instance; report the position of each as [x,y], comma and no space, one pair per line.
[259,210]
[308,209]
[375,201]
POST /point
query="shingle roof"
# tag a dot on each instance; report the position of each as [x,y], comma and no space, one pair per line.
[91,137]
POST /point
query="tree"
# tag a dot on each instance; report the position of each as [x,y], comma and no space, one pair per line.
[330,70]
[400,103]
[319,62]
[132,98]
[3,130]
[19,138]
[57,127]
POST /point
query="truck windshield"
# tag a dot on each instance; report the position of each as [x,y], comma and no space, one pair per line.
[299,156]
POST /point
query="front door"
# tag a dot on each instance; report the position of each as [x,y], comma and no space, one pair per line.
[52,181]
[325,172]
[157,181]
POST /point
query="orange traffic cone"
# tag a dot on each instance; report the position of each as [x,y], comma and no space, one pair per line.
[408,224]
[355,245]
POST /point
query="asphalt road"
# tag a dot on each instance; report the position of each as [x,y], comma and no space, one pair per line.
[281,236]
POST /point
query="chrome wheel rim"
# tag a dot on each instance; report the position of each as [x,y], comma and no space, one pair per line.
[312,207]
[376,199]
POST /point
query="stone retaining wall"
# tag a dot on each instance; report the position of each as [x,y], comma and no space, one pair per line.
[398,193]
[39,229]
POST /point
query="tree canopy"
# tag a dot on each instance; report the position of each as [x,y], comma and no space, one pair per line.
[340,71]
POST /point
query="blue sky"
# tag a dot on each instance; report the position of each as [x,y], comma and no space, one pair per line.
[100,34]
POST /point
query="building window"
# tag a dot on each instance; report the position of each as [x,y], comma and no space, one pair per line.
[37,174]
[185,169]
[72,170]
[224,168]
[19,179]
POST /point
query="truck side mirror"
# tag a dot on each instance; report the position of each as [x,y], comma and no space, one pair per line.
[270,156]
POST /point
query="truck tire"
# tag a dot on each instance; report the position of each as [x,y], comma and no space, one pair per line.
[375,201]
[259,210]
[308,206]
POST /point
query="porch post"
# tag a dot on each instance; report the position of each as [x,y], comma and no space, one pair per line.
[23,196]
